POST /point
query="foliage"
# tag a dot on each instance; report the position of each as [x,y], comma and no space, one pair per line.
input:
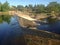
[20,7]
[13,8]
[4,7]
[53,6]
[52,9]
[39,8]
[0,6]
[36,9]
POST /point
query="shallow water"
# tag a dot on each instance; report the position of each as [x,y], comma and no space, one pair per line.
[11,32]
[55,27]
[9,29]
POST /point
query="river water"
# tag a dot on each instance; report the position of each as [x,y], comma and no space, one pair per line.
[53,27]
[10,29]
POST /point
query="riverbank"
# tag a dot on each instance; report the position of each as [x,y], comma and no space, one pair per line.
[7,13]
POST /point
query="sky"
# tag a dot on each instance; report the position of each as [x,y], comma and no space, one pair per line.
[27,2]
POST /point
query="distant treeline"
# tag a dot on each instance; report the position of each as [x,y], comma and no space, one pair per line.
[39,8]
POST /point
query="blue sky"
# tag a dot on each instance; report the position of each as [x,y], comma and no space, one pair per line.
[27,2]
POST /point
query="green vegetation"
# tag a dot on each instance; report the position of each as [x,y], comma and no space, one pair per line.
[52,9]
[5,18]
[20,7]
[4,7]
[37,9]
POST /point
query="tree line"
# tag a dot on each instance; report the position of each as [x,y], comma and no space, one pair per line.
[39,8]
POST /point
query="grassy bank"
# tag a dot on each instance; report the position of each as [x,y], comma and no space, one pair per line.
[4,13]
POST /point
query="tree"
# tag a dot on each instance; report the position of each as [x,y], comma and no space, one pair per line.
[26,6]
[5,6]
[39,9]
[53,6]
[20,7]
[13,8]
[30,6]
[0,6]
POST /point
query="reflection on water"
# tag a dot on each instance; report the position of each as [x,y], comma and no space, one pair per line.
[53,27]
[5,18]
[9,30]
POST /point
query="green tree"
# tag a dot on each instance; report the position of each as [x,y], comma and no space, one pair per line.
[39,8]
[0,6]
[30,6]
[20,7]
[5,6]
[26,6]
[53,6]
